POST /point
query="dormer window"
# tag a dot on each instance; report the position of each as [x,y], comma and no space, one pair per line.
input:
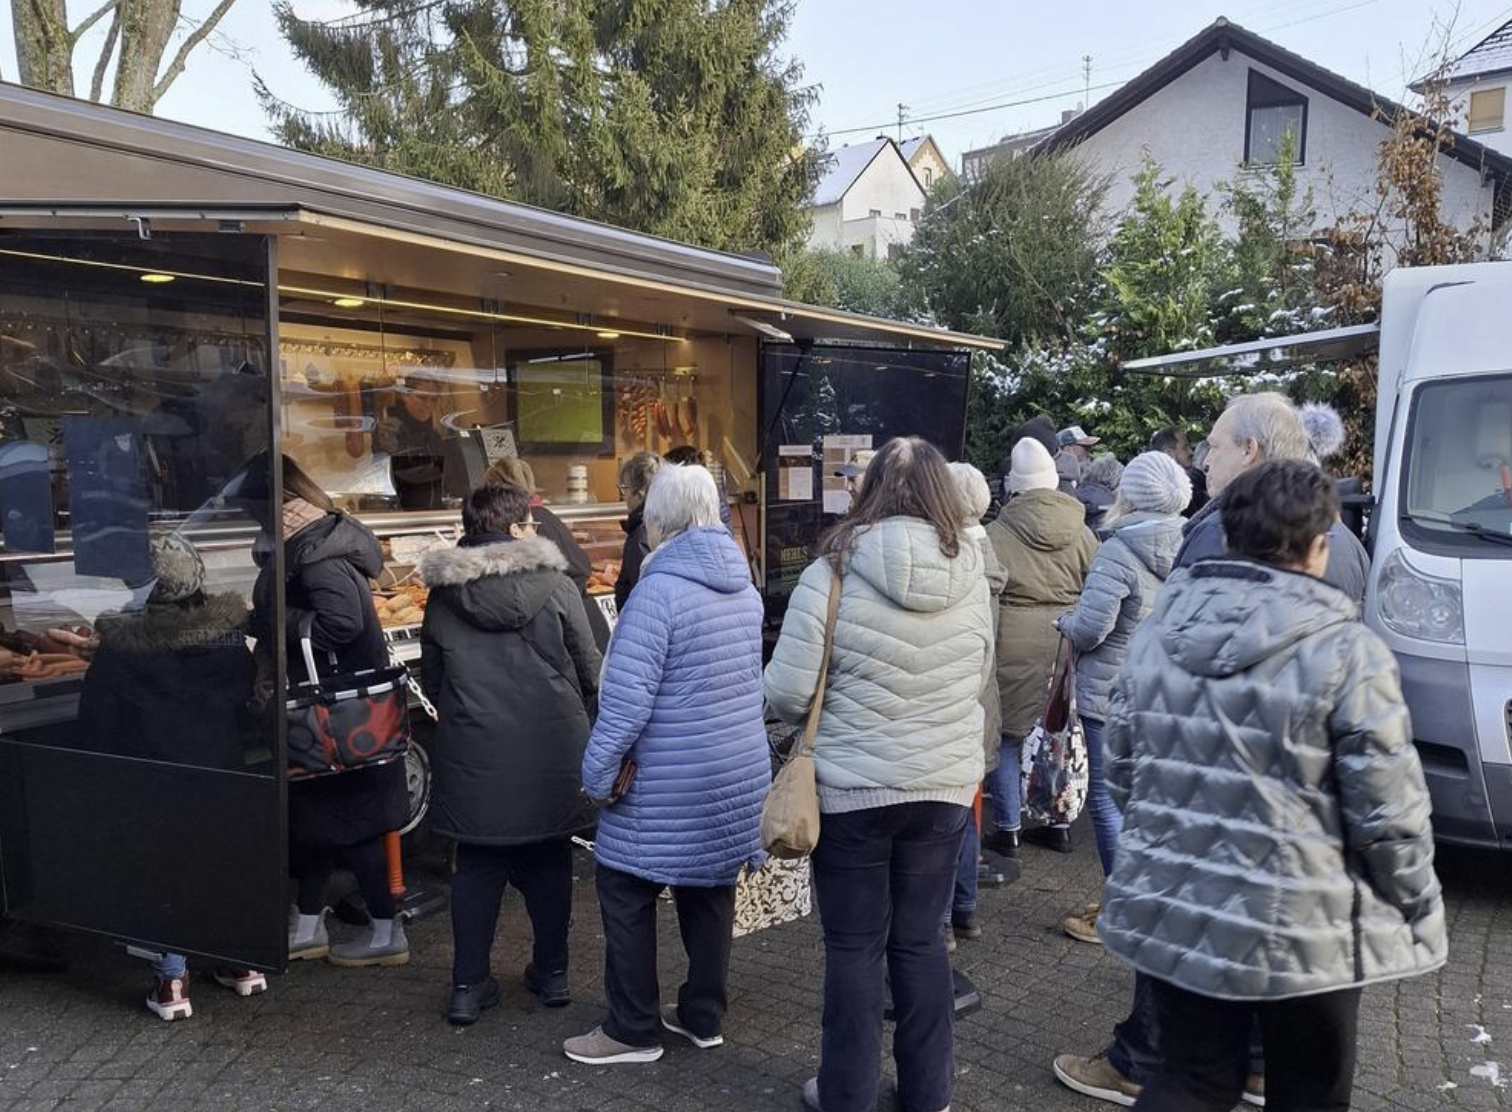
[1273,112]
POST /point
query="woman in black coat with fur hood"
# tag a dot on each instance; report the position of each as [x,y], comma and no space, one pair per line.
[509,658]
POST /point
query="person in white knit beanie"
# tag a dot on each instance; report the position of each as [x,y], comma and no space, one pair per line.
[1032,468]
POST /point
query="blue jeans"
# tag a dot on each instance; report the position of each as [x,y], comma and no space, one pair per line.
[1006,784]
[170,967]
[1107,820]
[1135,1051]
[881,877]
[964,900]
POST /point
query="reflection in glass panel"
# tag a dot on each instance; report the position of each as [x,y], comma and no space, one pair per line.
[133,389]
[133,384]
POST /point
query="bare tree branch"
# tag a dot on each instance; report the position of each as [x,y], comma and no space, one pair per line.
[181,59]
[82,29]
[97,83]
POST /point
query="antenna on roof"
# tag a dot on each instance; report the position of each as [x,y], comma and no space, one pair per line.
[902,114]
[1086,79]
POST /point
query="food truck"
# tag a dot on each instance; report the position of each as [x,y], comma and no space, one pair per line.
[180,308]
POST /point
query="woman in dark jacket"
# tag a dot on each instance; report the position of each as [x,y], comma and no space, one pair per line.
[513,471]
[508,657]
[635,476]
[341,819]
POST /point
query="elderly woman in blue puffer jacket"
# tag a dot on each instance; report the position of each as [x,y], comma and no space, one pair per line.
[681,697]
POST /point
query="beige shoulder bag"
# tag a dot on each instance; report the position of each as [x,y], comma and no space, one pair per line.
[790,816]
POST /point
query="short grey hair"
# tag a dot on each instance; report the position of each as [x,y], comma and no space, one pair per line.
[681,498]
[1272,422]
[1105,469]
[636,473]
[971,484]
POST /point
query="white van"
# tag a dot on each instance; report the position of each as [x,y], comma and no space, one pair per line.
[1440,532]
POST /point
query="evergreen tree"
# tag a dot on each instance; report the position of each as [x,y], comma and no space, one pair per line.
[1011,255]
[674,117]
[845,281]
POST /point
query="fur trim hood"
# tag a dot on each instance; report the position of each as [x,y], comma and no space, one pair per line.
[496,586]
[167,627]
[452,567]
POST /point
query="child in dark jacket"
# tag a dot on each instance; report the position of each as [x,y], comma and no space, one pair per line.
[171,682]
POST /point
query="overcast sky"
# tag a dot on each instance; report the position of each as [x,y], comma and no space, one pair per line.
[938,57]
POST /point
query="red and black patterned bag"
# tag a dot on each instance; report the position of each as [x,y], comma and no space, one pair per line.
[338,723]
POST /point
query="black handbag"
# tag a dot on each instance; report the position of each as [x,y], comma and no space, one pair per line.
[341,722]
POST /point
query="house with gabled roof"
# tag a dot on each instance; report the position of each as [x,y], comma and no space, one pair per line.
[1218,107]
[1476,85]
[867,200]
[926,160]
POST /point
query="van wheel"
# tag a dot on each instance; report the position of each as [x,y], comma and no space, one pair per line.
[417,782]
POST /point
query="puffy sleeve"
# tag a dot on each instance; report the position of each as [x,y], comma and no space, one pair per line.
[792,676]
[1102,598]
[1383,798]
[1118,734]
[632,677]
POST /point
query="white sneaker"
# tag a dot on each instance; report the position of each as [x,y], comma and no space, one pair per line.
[169,998]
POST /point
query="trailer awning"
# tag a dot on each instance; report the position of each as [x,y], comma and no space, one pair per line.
[1275,354]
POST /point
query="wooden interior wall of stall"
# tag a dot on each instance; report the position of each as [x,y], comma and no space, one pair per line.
[345,367]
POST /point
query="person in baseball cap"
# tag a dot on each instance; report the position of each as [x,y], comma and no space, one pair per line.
[1075,441]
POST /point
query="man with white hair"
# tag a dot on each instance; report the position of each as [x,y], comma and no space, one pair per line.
[1252,429]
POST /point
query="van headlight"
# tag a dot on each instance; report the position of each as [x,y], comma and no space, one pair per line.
[1420,606]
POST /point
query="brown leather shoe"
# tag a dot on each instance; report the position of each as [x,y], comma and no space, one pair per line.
[1096,1077]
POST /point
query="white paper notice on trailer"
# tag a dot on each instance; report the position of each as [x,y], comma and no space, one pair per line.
[795,472]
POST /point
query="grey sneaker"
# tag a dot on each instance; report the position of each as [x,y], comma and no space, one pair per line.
[670,1020]
[361,951]
[308,949]
[598,1049]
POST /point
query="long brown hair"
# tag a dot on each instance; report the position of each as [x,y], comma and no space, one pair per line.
[297,484]
[908,477]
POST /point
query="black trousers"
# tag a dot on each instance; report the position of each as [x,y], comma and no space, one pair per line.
[706,920]
[541,872]
[312,864]
[1309,1051]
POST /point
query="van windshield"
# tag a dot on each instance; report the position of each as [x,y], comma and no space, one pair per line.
[1458,482]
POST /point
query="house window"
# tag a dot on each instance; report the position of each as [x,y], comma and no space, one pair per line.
[894,252]
[913,216]
[1273,112]
[900,216]
[1487,108]
[928,177]
[874,212]
[857,250]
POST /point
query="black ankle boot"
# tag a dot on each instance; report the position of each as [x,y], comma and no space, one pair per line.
[1057,838]
[468,1001]
[1004,843]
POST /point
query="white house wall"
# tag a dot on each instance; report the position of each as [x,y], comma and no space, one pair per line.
[1194,128]
[1499,139]
[886,186]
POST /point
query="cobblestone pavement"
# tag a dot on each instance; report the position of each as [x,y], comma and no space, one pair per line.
[374,1040]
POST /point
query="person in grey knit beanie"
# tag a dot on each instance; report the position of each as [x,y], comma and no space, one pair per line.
[1153,483]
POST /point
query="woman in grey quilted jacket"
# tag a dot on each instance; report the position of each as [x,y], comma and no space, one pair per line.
[1144,527]
[1276,854]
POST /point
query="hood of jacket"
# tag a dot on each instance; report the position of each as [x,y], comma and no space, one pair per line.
[901,558]
[1154,539]
[1046,520]
[334,537]
[708,556]
[1212,622]
[159,628]
[495,586]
